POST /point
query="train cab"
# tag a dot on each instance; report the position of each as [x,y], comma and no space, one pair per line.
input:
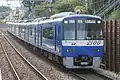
[82,41]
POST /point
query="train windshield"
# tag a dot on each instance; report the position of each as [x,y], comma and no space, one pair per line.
[93,29]
[82,29]
[69,30]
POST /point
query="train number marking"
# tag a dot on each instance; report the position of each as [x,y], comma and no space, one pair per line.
[94,42]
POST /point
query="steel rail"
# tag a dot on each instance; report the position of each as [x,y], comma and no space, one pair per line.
[78,75]
[101,74]
[9,61]
[83,78]
[44,77]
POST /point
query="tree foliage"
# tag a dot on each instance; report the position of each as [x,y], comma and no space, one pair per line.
[42,10]
[82,6]
[60,6]
[80,9]
[115,15]
[63,7]
[4,9]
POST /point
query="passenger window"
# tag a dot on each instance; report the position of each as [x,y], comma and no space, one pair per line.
[48,33]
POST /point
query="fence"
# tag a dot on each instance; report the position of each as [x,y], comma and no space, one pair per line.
[112,46]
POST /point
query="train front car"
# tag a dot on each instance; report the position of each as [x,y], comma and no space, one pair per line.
[82,42]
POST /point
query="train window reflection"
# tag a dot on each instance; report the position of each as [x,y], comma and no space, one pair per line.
[69,31]
[48,33]
[93,31]
[80,30]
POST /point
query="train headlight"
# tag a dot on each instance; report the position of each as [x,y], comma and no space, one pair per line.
[98,50]
[98,22]
[70,50]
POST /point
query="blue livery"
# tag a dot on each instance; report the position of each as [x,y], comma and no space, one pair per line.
[75,40]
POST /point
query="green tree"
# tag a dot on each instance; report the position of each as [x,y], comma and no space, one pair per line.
[95,5]
[4,9]
[80,9]
[64,7]
[48,9]
[68,5]
[115,15]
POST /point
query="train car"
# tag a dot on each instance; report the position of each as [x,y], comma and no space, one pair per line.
[75,40]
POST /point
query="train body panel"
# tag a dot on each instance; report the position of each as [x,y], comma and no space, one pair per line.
[92,48]
[92,51]
[76,38]
[69,62]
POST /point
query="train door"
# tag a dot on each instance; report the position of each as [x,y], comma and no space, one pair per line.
[15,29]
[19,30]
[39,40]
[57,37]
[37,35]
[26,32]
[32,34]
[35,30]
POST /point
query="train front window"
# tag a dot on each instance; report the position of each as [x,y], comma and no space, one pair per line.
[82,29]
[89,29]
[69,30]
[93,29]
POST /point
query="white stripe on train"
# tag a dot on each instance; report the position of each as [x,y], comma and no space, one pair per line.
[82,43]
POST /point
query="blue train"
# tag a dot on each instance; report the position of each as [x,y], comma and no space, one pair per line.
[75,40]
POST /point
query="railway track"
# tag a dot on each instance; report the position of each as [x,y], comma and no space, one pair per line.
[89,75]
[9,61]
[14,69]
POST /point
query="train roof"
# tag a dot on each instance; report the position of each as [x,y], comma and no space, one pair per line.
[70,16]
[62,14]
[58,19]
[28,23]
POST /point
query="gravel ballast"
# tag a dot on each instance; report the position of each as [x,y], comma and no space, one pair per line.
[6,71]
[46,67]
[24,70]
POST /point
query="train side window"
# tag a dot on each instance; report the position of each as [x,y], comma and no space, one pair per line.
[48,33]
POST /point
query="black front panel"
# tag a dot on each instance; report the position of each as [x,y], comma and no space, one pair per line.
[83,61]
